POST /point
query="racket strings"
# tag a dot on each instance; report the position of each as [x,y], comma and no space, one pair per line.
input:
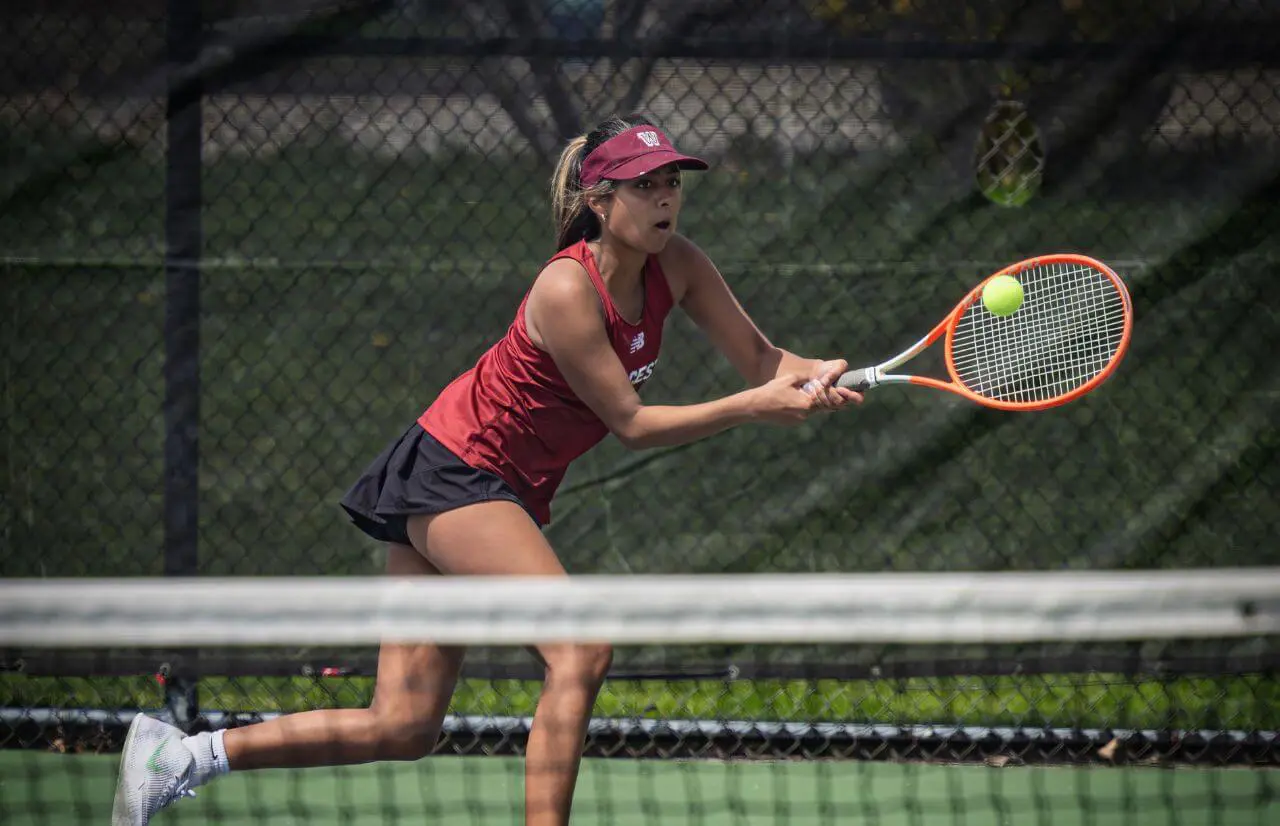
[1068,330]
[1053,349]
[1049,355]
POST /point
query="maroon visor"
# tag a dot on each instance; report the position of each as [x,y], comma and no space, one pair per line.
[635,152]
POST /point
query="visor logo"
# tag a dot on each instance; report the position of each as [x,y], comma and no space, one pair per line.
[650,139]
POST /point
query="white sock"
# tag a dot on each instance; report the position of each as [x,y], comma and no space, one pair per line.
[210,755]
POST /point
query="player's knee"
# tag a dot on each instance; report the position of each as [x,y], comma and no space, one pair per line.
[583,664]
[405,747]
[406,744]
[398,736]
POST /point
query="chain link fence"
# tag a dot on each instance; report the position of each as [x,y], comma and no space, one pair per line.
[335,209]
[244,243]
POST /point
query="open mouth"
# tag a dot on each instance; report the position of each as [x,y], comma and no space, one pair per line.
[663,225]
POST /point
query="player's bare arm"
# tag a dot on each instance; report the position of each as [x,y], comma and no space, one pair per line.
[563,317]
[700,290]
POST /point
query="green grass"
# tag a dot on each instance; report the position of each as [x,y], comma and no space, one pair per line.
[59,790]
[1067,701]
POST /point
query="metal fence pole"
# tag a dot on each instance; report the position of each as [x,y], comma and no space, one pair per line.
[183,241]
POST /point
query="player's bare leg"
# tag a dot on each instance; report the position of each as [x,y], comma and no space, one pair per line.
[499,538]
[160,765]
[414,685]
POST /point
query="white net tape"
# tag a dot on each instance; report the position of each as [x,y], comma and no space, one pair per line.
[782,608]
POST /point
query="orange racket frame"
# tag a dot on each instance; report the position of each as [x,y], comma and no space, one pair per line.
[868,377]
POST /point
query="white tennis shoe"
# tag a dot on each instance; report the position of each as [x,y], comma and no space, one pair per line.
[155,770]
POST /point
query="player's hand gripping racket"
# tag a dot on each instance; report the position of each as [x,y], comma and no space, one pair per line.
[1065,338]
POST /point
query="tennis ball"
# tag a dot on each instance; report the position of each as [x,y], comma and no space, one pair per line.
[1009,155]
[1002,295]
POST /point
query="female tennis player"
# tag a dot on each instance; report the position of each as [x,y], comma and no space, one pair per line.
[466,488]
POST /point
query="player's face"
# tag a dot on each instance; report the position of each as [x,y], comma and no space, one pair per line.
[646,209]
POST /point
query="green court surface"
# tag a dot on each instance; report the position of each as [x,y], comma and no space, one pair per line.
[44,789]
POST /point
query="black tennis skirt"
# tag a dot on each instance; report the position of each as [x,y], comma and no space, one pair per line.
[416,474]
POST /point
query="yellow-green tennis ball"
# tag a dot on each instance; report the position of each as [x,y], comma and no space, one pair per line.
[1002,295]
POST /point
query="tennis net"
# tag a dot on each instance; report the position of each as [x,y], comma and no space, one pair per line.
[1037,698]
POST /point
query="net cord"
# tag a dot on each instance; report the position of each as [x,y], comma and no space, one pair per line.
[747,608]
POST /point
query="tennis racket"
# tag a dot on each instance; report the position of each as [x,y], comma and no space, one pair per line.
[1067,336]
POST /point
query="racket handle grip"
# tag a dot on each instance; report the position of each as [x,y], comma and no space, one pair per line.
[859,381]
[856,380]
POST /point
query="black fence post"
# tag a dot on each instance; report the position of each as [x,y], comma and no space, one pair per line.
[183,242]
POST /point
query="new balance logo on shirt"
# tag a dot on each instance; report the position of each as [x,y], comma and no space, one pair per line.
[637,343]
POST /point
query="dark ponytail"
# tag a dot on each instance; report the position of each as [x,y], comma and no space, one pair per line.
[574,220]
